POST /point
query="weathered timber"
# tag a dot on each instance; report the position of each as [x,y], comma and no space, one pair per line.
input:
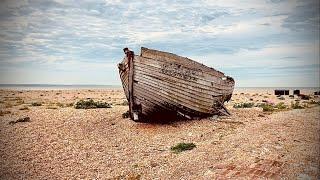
[193,72]
[198,84]
[160,85]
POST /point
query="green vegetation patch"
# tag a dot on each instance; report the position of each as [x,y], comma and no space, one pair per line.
[281,106]
[297,105]
[91,104]
[243,105]
[182,147]
[267,107]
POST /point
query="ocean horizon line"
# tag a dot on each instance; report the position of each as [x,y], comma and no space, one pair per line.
[114,85]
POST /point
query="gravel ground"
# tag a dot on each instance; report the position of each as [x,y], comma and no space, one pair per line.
[61,142]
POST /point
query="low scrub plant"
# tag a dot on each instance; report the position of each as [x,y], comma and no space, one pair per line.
[267,107]
[243,105]
[281,106]
[296,105]
[182,147]
[91,104]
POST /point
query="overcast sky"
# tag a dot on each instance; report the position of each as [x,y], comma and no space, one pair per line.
[259,43]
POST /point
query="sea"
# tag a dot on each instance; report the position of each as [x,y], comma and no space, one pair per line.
[55,86]
[79,86]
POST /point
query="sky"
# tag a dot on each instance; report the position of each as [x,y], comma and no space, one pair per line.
[272,43]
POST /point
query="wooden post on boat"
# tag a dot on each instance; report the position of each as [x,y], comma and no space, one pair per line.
[130,56]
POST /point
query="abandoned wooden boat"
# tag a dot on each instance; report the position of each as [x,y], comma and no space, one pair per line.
[164,85]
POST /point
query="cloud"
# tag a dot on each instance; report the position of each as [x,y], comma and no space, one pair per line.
[276,56]
[304,17]
[88,36]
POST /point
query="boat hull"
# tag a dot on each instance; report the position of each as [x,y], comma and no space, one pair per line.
[166,85]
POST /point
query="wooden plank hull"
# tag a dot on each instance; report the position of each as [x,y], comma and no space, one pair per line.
[167,86]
